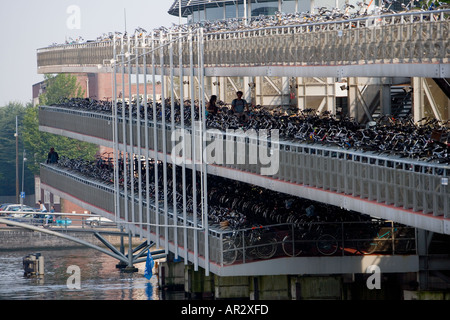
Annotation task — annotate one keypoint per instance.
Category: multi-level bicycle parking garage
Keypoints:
(411, 193)
(401, 203)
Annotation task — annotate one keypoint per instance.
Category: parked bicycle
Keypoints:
(427, 140)
(257, 242)
(313, 237)
(237, 206)
(385, 236)
(320, 14)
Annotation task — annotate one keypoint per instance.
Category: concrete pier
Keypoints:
(17, 239)
(393, 286)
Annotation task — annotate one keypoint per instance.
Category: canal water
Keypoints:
(99, 278)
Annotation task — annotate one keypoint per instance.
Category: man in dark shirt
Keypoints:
(52, 156)
(238, 105)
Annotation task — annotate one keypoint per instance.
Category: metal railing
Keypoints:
(58, 220)
(412, 37)
(314, 239)
(398, 38)
(227, 247)
(101, 195)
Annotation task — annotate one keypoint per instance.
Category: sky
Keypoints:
(28, 25)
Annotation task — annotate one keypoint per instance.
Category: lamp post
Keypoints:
(245, 12)
(179, 12)
(16, 134)
(23, 174)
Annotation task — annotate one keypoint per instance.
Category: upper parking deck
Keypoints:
(413, 44)
(407, 191)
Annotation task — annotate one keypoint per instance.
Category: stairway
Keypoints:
(401, 103)
(444, 84)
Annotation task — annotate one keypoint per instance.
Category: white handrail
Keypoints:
(439, 15)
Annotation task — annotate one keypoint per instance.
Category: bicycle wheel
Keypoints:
(291, 248)
(267, 250)
(327, 244)
(230, 253)
(367, 246)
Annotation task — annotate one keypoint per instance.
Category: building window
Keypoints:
(264, 9)
(240, 10)
(230, 11)
(288, 6)
(215, 13)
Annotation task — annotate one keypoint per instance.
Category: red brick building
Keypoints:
(100, 86)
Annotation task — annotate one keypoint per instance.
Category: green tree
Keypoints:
(59, 87)
(8, 116)
(39, 143)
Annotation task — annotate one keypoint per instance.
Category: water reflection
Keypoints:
(100, 279)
